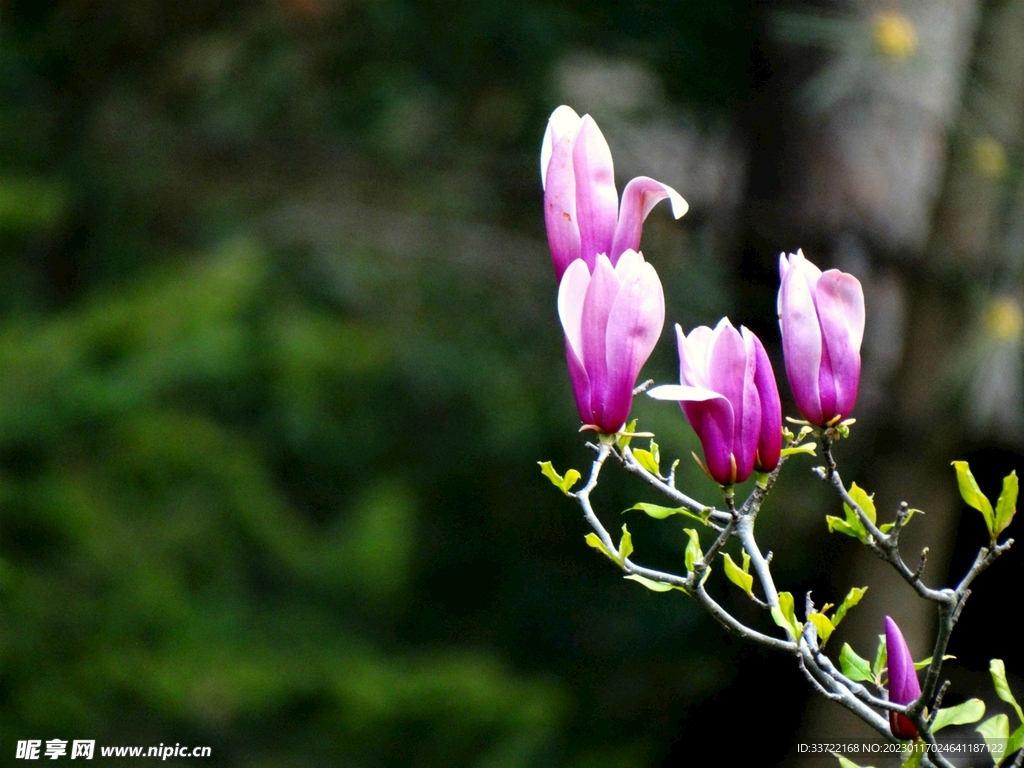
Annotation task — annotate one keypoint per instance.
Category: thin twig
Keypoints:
(724, 618)
(921, 565)
(629, 461)
(938, 702)
(902, 516)
(583, 497)
(846, 698)
(745, 533)
(881, 544)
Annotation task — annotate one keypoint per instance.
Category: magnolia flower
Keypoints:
(822, 321)
(612, 317)
(730, 398)
(902, 683)
(581, 204)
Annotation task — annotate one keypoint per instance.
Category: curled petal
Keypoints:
(682, 393)
(638, 199)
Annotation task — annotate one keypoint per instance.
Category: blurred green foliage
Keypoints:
(278, 356)
(154, 561)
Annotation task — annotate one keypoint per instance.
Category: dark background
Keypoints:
(279, 354)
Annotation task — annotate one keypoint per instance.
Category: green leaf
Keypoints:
(998, 671)
(971, 711)
(996, 732)
(656, 511)
(737, 575)
(971, 493)
(651, 584)
(852, 598)
(1016, 741)
(805, 448)
(562, 483)
(570, 480)
(886, 527)
(916, 756)
(855, 529)
(649, 459)
(595, 542)
(624, 439)
(1006, 506)
(693, 553)
(853, 525)
(926, 662)
(880, 658)
(853, 666)
(625, 547)
(785, 615)
(660, 513)
(823, 625)
(865, 501)
(845, 763)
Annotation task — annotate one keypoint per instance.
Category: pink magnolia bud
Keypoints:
(730, 398)
(822, 321)
(581, 204)
(612, 318)
(902, 683)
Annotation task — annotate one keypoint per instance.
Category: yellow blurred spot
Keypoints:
(1004, 319)
(895, 36)
(989, 157)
